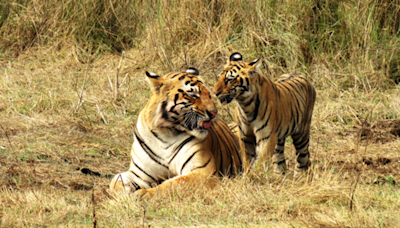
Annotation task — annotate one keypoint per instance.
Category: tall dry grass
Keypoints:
(59, 115)
(291, 35)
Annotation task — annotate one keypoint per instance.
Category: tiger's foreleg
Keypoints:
(198, 177)
(248, 154)
(124, 182)
(265, 150)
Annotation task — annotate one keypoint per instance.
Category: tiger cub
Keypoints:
(178, 138)
(268, 112)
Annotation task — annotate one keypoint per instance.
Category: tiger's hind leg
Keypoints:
(278, 159)
(301, 142)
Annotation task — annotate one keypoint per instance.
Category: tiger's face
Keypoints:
(181, 101)
(235, 80)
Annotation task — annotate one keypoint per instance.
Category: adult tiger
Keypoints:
(268, 112)
(177, 138)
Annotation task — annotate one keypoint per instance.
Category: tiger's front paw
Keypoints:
(144, 193)
(280, 168)
(121, 187)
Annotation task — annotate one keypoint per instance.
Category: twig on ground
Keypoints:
(81, 101)
(101, 114)
(94, 208)
(8, 139)
(116, 85)
(144, 216)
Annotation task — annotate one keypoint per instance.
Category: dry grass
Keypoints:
(59, 117)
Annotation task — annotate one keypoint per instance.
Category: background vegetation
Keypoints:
(66, 129)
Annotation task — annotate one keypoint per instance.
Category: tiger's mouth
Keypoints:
(225, 99)
(193, 121)
(205, 124)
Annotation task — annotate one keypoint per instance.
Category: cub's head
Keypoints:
(180, 101)
(236, 78)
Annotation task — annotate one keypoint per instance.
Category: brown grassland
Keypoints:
(66, 125)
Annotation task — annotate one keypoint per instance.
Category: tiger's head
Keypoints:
(180, 101)
(236, 79)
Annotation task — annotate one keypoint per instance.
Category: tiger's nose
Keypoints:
(212, 114)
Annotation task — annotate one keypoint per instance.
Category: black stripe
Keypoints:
(176, 98)
(226, 129)
(265, 109)
(137, 185)
(248, 103)
(163, 110)
(302, 144)
(266, 123)
(242, 118)
(302, 155)
(287, 131)
(220, 147)
(256, 108)
(248, 142)
(143, 144)
(175, 75)
(144, 171)
(177, 149)
(158, 137)
(187, 161)
(265, 138)
(278, 128)
(209, 160)
(149, 152)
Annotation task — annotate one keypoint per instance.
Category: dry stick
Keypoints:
(359, 140)
(309, 173)
(8, 139)
(144, 214)
(80, 102)
(94, 208)
(101, 114)
(116, 78)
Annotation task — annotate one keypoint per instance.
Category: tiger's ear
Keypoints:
(236, 56)
(154, 81)
(193, 71)
(255, 65)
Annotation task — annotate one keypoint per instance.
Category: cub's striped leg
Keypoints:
(249, 153)
(301, 143)
(278, 159)
(266, 148)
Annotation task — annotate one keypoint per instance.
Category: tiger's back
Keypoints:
(296, 99)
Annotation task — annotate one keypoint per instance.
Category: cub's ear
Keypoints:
(154, 81)
(256, 65)
(236, 56)
(193, 71)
